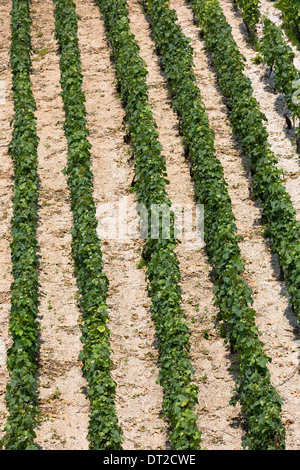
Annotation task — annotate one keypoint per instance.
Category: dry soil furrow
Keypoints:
(61, 385)
(275, 319)
(209, 357)
(271, 104)
(6, 191)
(135, 356)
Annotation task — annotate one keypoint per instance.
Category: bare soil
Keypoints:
(6, 191)
(63, 403)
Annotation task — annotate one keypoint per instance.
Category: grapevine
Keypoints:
(104, 430)
(260, 401)
(22, 357)
(162, 266)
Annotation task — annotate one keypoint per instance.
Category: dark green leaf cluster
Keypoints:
(259, 399)
(104, 431)
(291, 18)
(162, 267)
(21, 395)
(278, 55)
(251, 15)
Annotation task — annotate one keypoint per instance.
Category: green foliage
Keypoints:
(247, 121)
(251, 15)
(260, 401)
(291, 18)
(104, 431)
(278, 55)
(162, 267)
(21, 394)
